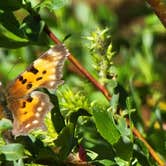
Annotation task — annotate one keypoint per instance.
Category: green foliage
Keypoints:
(15, 34)
(127, 58)
(5, 124)
(106, 126)
(52, 4)
(12, 152)
(11, 5)
(73, 101)
(101, 50)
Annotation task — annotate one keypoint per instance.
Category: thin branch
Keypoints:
(151, 150)
(104, 91)
(159, 6)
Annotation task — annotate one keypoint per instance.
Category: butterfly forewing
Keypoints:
(45, 72)
(29, 112)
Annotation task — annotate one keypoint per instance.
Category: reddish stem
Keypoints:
(159, 6)
(151, 150)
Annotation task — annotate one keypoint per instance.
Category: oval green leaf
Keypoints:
(12, 151)
(106, 126)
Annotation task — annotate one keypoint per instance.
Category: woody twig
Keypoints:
(159, 7)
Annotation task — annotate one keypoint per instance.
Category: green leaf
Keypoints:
(5, 124)
(56, 4)
(106, 162)
(11, 36)
(106, 126)
(121, 162)
(141, 153)
(124, 149)
(140, 146)
(37, 148)
(120, 90)
(10, 40)
(114, 102)
(147, 69)
(53, 4)
(12, 25)
(12, 151)
(10, 5)
(74, 115)
(56, 116)
(65, 141)
(33, 27)
(123, 128)
(19, 162)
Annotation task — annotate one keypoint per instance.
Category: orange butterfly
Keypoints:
(28, 106)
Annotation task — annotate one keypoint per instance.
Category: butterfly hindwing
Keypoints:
(29, 112)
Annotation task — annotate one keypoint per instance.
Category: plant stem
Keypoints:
(159, 6)
(104, 91)
(151, 150)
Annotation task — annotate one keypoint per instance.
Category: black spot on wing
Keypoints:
(29, 99)
(39, 78)
(32, 69)
(44, 72)
(20, 77)
(24, 81)
(23, 104)
(29, 85)
(25, 112)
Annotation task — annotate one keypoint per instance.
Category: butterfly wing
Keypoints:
(45, 72)
(2, 115)
(29, 112)
(29, 107)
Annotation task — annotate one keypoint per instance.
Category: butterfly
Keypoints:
(27, 105)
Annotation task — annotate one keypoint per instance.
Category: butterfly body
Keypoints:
(27, 105)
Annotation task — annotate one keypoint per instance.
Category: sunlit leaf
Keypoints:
(5, 124)
(12, 151)
(106, 126)
(53, 4)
